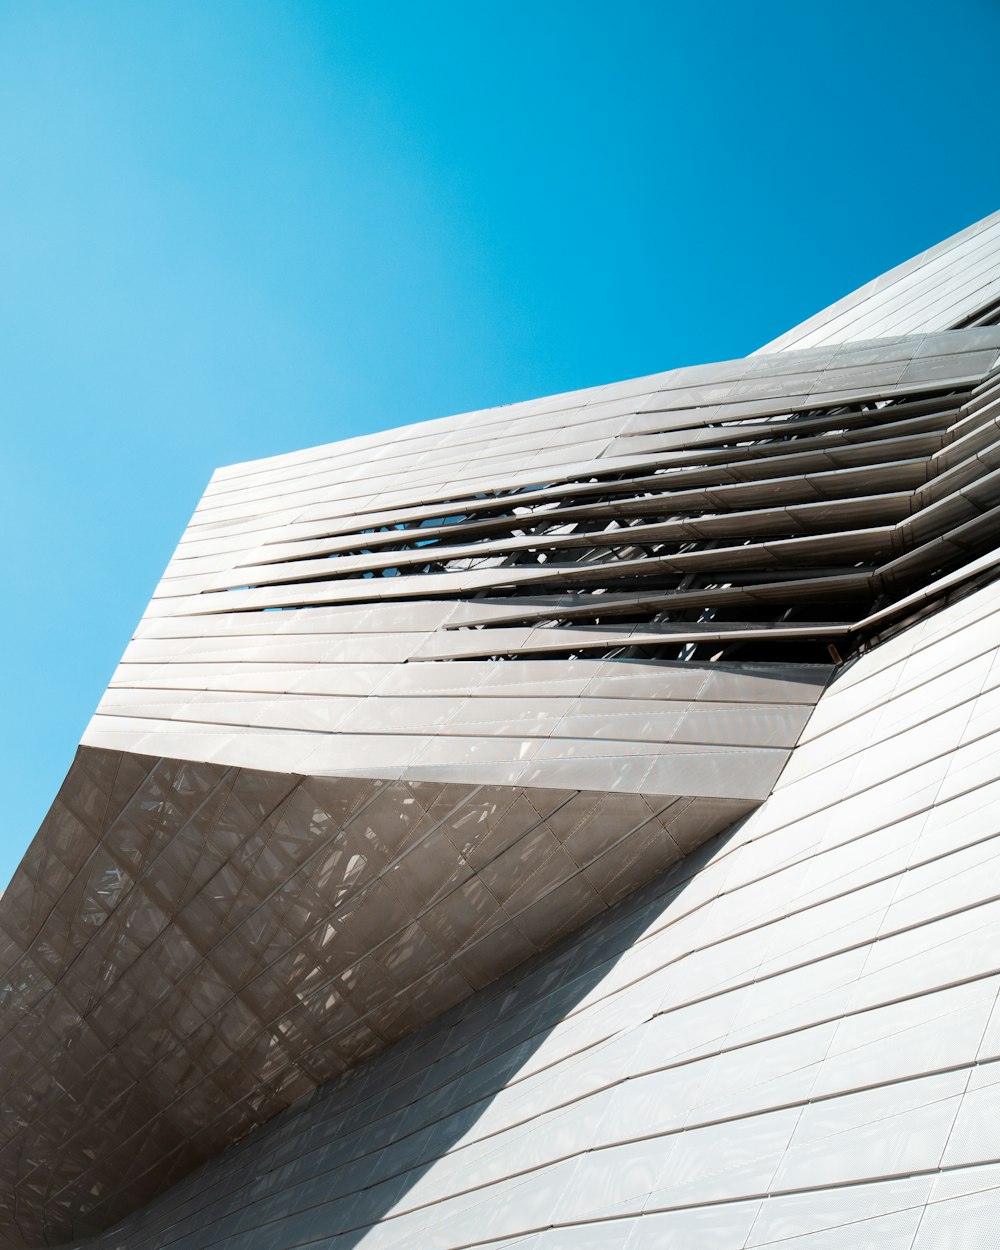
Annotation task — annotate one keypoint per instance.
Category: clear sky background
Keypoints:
(232, 228)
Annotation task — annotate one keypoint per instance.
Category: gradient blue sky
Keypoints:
(230, 229)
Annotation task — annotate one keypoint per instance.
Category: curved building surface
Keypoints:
(567, 825)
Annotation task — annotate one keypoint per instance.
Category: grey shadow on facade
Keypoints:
(322, 1173)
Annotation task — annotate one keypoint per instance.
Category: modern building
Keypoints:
(563, 826)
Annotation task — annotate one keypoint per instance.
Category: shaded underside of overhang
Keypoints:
(188, 948)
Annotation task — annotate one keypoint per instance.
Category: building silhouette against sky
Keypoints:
(573, 824)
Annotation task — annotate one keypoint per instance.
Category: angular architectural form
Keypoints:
(568, 825)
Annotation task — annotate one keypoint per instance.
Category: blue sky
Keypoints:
(230, 229)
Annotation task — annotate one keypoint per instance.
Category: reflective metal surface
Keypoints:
(406, 710)
(188, 948)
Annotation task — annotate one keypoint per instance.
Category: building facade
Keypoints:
(567, 825)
